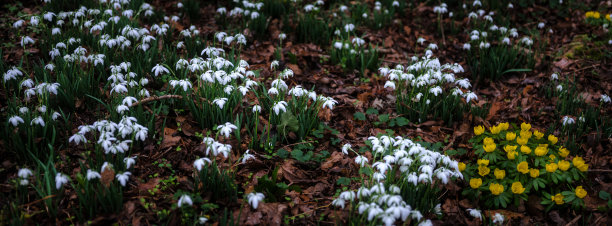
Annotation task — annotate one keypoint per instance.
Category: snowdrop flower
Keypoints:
(24, 173)
(426, 223)
(15, 120)
(421, 40)
(498, 218)
(361, 160)
(226, 129)
(415, 214)
(339, 203)
(220, 102)
(435, 90)
(92, 174)
(184, 199)
(559, 88)
(432, 46)
(345, 148)
(527, 41)
(469, 96)
(201, 162)
(26, 40)
(246, 157)
(605, 98)
(541, 25)
(38, 121)
(202, 220)
(506, 40)
(60, 180)
(554, 76)
(568, 120)
(282, 36)
(467, 46)
(280, 106)
(185, 84)
(18, 23)
(257, 109)
(349, 27)
(329, 103)
(475, 213)
(255, 199)
(159, 69)
(129, 161)
(123, 178)
(390, 84)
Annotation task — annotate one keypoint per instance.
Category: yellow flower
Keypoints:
(496, 189)
(551, 167)
(578, 161)
(483, 170)
(525, 134)
(510, 148)
(558, 198)
(481, 162)
(534, 173)
(475, 182)
(495, 129)
(489, 147)
(499, 174)
(512, 155)
(540, 150)
(525, 126)
(522, 140)
(592, 14)
(563, 152)
(583, 167)
(523, 167)
(608, 17)
(580, 192)
(553, 139)
(526, 150)
(517, 188)
(478, 130)
(488, 140)
(564, 165)
(510, 136)
(504, 125)
(538, 134)
(461, 166)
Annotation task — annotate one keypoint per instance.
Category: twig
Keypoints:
(600, 171)
(574, 220)
(34, 202)
(154, 98)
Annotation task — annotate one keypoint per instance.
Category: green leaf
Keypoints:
(604, 195)
(383, 118)
(372, 111)
(282, 153)
(401, 121)
(288, 123)
(359, 116)
(343, 181)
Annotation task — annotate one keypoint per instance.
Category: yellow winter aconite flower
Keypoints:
(479, 130)
(512, 155)
(541, 150)
(522, 140)
(496, 189)
(580, 164)
(525, 126)
(563, 152)
(489, 147)
(523, 167)
(499, 174)
(481, 162)
(608, 17)
(525, 134)
(551, 167)
(564, 165)
(538, 134)
(553, 139)
(526, 150)
(483, 170)
(558, 198)
(510, 136)
(517, 188)
(580, 192)
(475, 182)
(510, 148)
(592, 14)
(534, 173)
(461, 166)
(495, 129)
(488, 140)
(504, 126)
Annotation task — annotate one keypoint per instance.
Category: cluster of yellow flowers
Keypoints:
(592, 14)
(521, 152)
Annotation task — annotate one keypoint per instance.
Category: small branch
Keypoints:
(154, 98)
(40, 200)
(574, 220)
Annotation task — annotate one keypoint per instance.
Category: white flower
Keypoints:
(541, 25)
(202, 220)
(435, 90)
(361, 160)
(24, 173)
(199, 163)
(469, 96)
(568, 120)
(92, 174)
(475, 213)
(24, 182)
(129, 161)
(467, 46)
(220, 102)
(183, 83)
(338, 202)
(421, 40)
(280, 106)
(123, 178)
(345, 148)
(77, 138)
(282, 36)
(329, 103)
(247, 156)
(498, 218)
(559, 88)
(255, 199)
(184, 199)
(226, 129)
(605, 98)
(426, 223)
(26, 40)
(38, 121)
(554, 76)
(389, 84)
(16, 120)
(159, 69)
(60, 180)
(256, 108)
(274, 65)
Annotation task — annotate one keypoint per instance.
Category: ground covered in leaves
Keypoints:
(313, 171)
